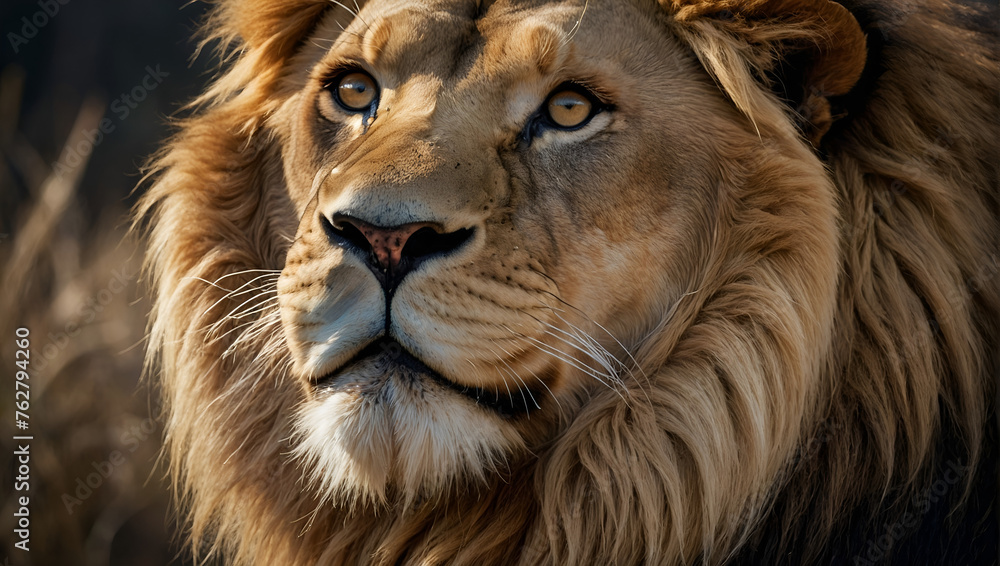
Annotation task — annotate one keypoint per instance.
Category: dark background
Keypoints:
(70, 270)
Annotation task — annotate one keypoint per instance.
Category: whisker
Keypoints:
(546, 386)
(586, 344)
(576, 26)
(263, 303)
(515, 336)
(345, 7)
(261, 293)
(605, 379)
(355, 13)
(516, 376)
(617, 341)
(586, 337)
(219, 338)
(344, 30)
(222, 328)
(244, 272)
(260, 306)
(234, 292)
(257, 328)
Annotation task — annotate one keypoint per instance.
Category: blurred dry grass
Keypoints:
(96, 493)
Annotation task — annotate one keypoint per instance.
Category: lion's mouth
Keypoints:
(390, 356)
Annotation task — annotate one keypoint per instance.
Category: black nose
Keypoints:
(391, 252)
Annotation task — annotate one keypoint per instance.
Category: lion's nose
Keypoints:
(393, 251)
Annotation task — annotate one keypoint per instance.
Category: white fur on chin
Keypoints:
(375, 435)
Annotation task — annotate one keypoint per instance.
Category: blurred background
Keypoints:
(85, 92)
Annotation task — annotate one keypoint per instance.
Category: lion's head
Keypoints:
(550, 282)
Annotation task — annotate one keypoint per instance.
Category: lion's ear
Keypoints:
(253, 40)
(805, 51)
(266, 25)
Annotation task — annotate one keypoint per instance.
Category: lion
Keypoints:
(583, 282)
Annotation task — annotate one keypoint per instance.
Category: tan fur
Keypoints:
(688, 289)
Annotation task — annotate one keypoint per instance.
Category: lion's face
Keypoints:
(571, 281)
(488, 221)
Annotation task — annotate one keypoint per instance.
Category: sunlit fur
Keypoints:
(725, 279)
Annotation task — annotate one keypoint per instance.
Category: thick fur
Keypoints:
(756, 303)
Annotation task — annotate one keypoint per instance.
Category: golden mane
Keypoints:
(907, 375)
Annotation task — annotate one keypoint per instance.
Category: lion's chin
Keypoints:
(383, 433)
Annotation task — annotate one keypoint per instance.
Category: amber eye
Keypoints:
(569, 109)
(355, 91)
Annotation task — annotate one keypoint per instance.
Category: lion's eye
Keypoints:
(355, 91)
(569, 109)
